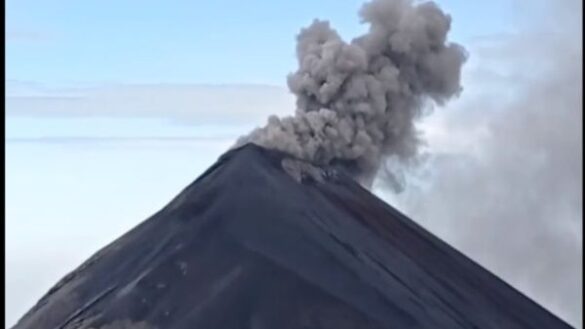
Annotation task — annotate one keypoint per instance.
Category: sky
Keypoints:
(210, 42)
(114, 106)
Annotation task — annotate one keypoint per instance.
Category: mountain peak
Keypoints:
(262, 240)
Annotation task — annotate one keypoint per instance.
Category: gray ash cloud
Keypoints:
(358, 101)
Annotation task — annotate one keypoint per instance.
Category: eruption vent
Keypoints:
(357, 102)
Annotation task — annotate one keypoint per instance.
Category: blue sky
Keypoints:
(114, 106)
(224, 41)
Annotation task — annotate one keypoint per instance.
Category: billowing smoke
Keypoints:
(357, 102)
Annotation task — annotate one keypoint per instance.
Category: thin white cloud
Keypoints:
(189, 104)
(13, 34)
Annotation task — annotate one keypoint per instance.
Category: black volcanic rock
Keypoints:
(261, 242)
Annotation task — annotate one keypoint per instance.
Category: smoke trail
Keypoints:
(357, 102)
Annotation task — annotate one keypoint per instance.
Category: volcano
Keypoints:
(261, 240)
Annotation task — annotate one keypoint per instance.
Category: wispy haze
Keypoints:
(505, 186)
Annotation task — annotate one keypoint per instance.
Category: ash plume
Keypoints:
(357, 102)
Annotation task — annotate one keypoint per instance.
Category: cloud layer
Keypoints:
(183, 103)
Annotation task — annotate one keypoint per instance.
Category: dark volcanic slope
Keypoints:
(248, 246)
